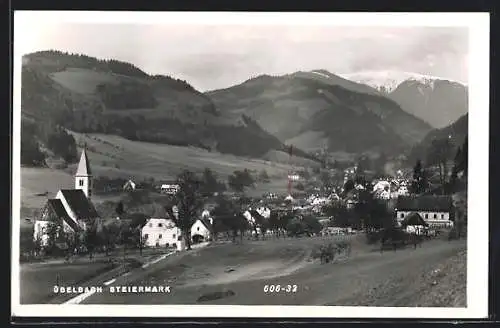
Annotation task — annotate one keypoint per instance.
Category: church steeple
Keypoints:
(83, 176)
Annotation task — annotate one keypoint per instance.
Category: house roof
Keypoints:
(83, 165)
(425, 203)
(80, 204)
(61, 213)
(206, 223)
(413, 219)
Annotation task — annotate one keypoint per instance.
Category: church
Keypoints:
(71, 209)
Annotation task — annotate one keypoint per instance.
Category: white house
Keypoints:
(71, 209)
(264, 211)
(202, 230)
(162, 232)
(129, 185)
(435, 210)
(403, 190)
(170, 189)
(381, 185)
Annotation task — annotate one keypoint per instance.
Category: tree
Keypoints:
(380, 163)
(210, 184)
(339, 214)
(30, 152)
(91, 240)
(420, 183)
(52, 232)
(119, 209)
(263, 177)
(188, 203)
(439, 154)
(364, 164)
(239, 180)
(348, 186)
(312, 224)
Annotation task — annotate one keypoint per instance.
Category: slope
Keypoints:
(317, 109)
(88, 95)
(436, 100)
(457, 132)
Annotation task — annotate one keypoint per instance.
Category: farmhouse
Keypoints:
(71, 209)
(435, 210)
(202, 230)
(170, 189)
(414, 223)
(161, 232)
(129, 185)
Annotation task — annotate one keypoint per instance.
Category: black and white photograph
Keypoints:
(250, 164)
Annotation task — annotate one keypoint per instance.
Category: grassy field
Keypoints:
(38, 280)
(114, 156)
(236, 275)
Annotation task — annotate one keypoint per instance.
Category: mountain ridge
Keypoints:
(88, 95)
(438, 101)
(288, 105)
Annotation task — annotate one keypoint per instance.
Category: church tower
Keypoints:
(83, 176)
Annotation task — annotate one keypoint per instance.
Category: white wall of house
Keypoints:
(160, 232)
(198, 228)
(264, 211)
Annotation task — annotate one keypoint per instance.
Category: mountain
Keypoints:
(436, 100)
(316, 109)
(89, 95)
(457, 132)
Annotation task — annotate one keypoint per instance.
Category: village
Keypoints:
(69, 224)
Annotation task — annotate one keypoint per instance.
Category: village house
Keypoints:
(129, 185)
(169, 188)
(161, 232)
(202, 230)
(72, 209)
(435, 210)
(414, 223)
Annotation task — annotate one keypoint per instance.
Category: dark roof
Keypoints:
(206, 223)
(61, 213)
(255, 214)
(413, 219)
(135, 220)
(80, 204)
(425, 203)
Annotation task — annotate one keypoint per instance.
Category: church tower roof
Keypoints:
(84, 165)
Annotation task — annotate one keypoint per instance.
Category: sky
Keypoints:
(218, 56)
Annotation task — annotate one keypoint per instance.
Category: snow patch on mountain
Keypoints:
(387, 81)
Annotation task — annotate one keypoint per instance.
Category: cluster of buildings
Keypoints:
(72, 209)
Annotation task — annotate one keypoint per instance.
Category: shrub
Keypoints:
(453, 234)
(372, 238)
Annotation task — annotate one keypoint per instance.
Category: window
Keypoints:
(159, 236)
(160, 225)
(80, 182)
(173, 236)
(442, 216)
(435, 216)
(426, 215)
(402, 215)
(146, 236)
(198, 229)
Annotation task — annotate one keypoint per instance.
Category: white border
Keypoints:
(477, 266)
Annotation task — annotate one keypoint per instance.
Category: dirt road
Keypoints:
(237, 274)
